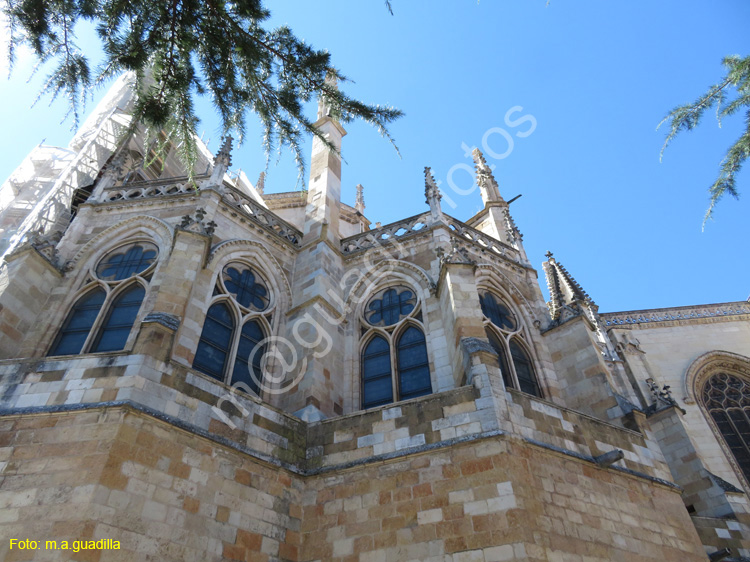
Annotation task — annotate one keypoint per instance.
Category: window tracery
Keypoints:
(103, 317)
(394, 360)
(507, 338)
(231, 348)
(726, 398)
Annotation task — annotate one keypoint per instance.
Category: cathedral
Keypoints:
(192, 369)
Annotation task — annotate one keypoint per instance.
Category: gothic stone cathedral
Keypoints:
(217, 373)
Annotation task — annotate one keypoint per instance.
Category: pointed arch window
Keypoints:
(78, 324)
(377, 383)
(215, 342)
(120, 319)
(103, 318)
(413, 365)
(231, 347)
(726, 398)
(507, 338)
(395, 364)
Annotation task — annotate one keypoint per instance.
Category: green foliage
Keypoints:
(182, 48)
(687, 117)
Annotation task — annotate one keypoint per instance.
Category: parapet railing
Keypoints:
(483, 240)
(406, 227)
(384, 234)
(152, 188)
(677, 313)
(183, 185)
(262, 216)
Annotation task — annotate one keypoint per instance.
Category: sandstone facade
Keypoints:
(418, 400)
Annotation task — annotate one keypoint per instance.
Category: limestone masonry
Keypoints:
(202, 371)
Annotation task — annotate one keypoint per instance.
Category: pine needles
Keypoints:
(182, 48)
(687, 117)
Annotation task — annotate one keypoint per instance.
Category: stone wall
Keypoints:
(166, 494)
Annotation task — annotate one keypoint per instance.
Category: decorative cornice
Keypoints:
(679, 313)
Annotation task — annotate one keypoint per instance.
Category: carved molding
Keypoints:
(682, 315)
(126, 230)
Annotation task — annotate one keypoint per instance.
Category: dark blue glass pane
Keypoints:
(375, 366)
(114, 333)
(499, 347)
(77, 326)
(413, 366)
(377, 345)
(377, 386)
(406, 302)
(243, 285)
(210, 360)
(218, 326)
(375, 317)
(377, 392)
(412, 355)
(391, 307)
(216, 337)
(497, 312)
(524, 370)
(250, 337)
(415, 382)
(121, 266)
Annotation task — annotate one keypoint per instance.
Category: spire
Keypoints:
(432, 196)
(567, 297)
(324, 186)
(360, 202)
(222, 161)
(485, 180)
(260, 185)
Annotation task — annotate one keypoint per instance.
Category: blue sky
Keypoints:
(595, 77)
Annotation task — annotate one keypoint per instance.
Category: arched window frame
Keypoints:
(392, 335)
(519, 335)
(113, 289)
(268, 318)
(697, 376)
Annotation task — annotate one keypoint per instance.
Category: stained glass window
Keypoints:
(727, 400)
(246, 287)
(126, 262)
(393, 305)
(377, 386)
(524, 369)
(497, 312)
(499, 347)
(413, 366)
(216, 339)
(251, 337)
(78, 324)
(120, 319)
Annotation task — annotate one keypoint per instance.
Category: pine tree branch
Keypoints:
(243, 66)
(687, 117)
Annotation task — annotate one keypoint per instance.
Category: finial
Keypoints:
(260, 185)
(324, 110)
(222, 161)
(360, 201)
(432, 196)
(548, 255)
(485, 180)
(117, 165)
(225, 152)
(564, 291)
